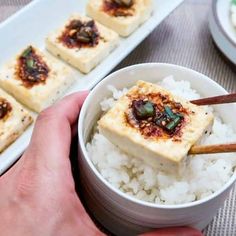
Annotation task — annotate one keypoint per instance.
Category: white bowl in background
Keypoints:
(222, 29)
(118, 212)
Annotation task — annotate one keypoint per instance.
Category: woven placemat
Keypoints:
(183, 39)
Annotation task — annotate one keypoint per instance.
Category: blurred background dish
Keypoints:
(223, 30)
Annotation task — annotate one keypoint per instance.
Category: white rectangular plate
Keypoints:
(31, 25)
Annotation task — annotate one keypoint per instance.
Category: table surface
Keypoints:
(183, 39)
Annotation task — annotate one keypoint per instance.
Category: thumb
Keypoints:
(49, 148)
(51, 139)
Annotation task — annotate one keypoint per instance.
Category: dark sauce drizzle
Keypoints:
(115, 9)
(31, 69)
(5, 108)
(156, 115)
(79, 34)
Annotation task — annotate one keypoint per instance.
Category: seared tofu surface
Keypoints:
(35, 79)
(82, 42)
(124, 19)
(14, 119)
(152, 124)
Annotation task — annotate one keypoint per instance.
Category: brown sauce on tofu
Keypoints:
(116, 9)
(5, 108)
(31, 68)
(78, 34)
(157, 116)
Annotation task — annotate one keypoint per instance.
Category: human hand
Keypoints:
(38, 194)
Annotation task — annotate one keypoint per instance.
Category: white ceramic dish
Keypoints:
(120, 213)
(36, 20)
(222, 29)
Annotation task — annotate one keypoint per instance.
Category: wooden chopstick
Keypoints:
(217, 148)
(209, 149)
(228, 98)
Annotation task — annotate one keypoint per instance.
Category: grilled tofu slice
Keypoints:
(35, 79)
(82, 42)
(152, 124)
(14, 119)
(121, 18)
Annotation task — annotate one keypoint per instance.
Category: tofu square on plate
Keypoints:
(82, 42)
(35, 79)
(122, 18)
(152, 124)
(14, 119)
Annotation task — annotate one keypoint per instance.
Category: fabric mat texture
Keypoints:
(183, 39)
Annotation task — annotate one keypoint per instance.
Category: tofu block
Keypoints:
(84, 56)
(14, 119)
(151, 138)
(36, 81)
(123, 20)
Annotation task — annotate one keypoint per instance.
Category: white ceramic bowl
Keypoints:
(222, 29)
(118, 212)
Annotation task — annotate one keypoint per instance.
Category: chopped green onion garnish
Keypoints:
(169, 112)
(30, 63)
(149, 108)
(179, 115)
(170, 126)
(27, 52)
(143, 109)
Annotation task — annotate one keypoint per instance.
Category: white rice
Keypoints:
(204, 175)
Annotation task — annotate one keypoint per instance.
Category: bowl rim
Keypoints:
(109, 185)
(220, 26)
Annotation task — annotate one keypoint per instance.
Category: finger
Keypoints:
(50, 142)
(175, 231)
(74, 129)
